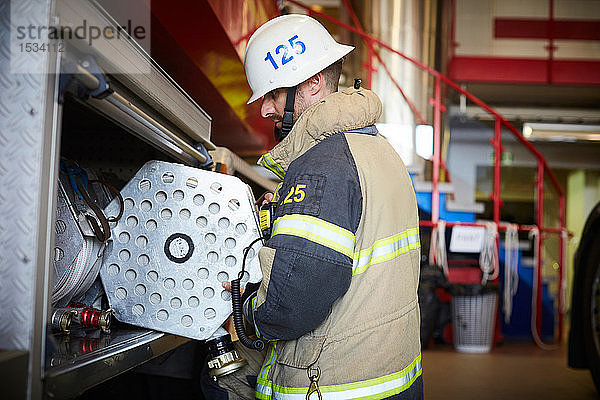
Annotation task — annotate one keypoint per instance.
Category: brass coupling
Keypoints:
(225, 364)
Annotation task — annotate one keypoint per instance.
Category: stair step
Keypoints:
(476, 207)
(427, 186)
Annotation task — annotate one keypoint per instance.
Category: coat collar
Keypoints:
(338, 112)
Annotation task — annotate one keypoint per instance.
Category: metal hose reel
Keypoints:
(182, 234)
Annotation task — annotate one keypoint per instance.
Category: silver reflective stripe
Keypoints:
(316, 230)
(374, 388)
(386, 249)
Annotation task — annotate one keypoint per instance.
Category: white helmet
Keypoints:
(288, 50)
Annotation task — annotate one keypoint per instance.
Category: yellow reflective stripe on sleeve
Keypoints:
(386, 249)
(276, 192)
(316, 230)
(376, 388)
(272, 166)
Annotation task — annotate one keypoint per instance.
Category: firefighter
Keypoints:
(338, 300)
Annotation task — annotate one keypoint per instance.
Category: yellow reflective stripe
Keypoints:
(386, 249)
(342, 240)
(254, 299)
(276, 192)
(376, 388)
(263, 385)
(316, 230)
(272, 166)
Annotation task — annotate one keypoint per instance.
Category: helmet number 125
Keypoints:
(295, 44)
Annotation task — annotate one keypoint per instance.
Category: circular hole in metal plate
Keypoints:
(130, 275)
(175, 303)
(224, 223)
(132, 221)
(222, 276)
(251, 254)
(245, 277)
(166, 214)
(128, 203)
(120, 293)
(214, 208)
(241, 228)
(113, 269)
(155, 298)
(178, 195)
(167, 177)
(212, 257)
(184, 214)
(210, 313)
(192, 183)
(124, 255)
(225, 295)
(234, 204)
(187, 320)
(216, 187)
(201, 222)
(145, 185)
(124, 237)
(230, 243)
(140, 289)
(60, 226)
(58, 254)
(152, 276)
(208, 292)
(138, 309)
(198, 200)
(203, 273)
(151, 225)
(162, 315)
(230, 261)
(188, 284)
(143, 260)
(193, 302)
(160, 196)
(141, 241)
(210, 238)
(146, 205)
(169, 283)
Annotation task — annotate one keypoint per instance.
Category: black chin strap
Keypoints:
(288, 116)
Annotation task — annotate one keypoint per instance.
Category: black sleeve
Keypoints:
(301, 291)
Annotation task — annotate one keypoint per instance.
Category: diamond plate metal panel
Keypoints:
(22, 166)
(182, 234)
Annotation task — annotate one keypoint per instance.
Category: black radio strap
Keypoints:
(288, 115)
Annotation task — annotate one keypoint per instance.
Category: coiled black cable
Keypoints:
(236, 302)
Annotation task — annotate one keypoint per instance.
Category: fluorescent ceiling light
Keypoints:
(561, 132)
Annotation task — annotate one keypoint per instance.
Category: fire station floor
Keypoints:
(514, 370)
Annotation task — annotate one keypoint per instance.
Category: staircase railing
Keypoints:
(543, 169)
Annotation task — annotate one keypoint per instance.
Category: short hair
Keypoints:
(332, 75)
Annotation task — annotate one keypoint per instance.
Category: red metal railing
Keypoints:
(542, 166)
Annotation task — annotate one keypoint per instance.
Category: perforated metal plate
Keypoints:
(182, 234)
(68, 240)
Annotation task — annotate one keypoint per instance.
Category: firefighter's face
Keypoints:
(273, 104)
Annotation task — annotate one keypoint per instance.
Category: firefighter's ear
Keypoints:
(315, 83)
